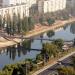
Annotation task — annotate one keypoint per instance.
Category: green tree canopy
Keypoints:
(50, 21)
(50, 33)
(50, 49)
(59, 43)
(66, 71)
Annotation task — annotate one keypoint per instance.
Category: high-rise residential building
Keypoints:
(71, 6)
(16, 6)
(4, 3)
(70, 3)
(1, 3)
(45, 6)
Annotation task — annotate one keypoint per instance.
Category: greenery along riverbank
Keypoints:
(16, 24)
(49, 51)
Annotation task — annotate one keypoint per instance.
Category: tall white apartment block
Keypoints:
(19, 6)
(21, 9)
(1, 3)
(15, 2)
(73, 3)
(51, 5)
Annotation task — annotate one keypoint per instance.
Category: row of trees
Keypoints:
(15, 24)
(50, 50)
(23, 68)
(49, 20)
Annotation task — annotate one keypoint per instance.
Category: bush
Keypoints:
(50, 33)
(59, 43)
(39, 58)
(50, 21)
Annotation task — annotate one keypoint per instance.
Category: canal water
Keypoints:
(12, 55)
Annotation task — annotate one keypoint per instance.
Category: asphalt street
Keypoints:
(53, 70)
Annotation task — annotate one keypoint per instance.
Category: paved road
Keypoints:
(46, 70)
(52, 70)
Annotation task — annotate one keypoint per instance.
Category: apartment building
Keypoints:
(45, 6)
(17, 6)
(21, 9)
(4, 3)
(1, 3)
(70, 3)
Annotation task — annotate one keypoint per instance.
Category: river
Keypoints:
(12, 55)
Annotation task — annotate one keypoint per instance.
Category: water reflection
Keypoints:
(50, 34)
(41, 36)
(72, 28)
(20, 50)
(65, 27)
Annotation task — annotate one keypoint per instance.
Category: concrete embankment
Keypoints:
(42, 29)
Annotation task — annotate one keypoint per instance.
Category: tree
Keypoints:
(31, 23)
(8, 23)
(0, 21)
(41, 20)
(59, 43)
(26, 44)
(39, 58)
(49, 49)
(19, 23)
(25, 26)
(3, 22)
(73, 61)
(8, 69)
(66, 71)
(50, 33)
(14, 23)
(50, 21)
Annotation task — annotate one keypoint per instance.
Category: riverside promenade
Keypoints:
(38, 30)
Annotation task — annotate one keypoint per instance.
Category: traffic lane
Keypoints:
(65, 62)
(49, 70)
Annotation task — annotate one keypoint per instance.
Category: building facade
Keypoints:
(22, 8)
(45, 6)
(5, 3)
(1, 3)
(70, 3)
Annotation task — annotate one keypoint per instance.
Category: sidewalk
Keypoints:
(55, 62)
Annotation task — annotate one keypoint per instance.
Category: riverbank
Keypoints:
(5, 43)
(38, 30)
(43, 29)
